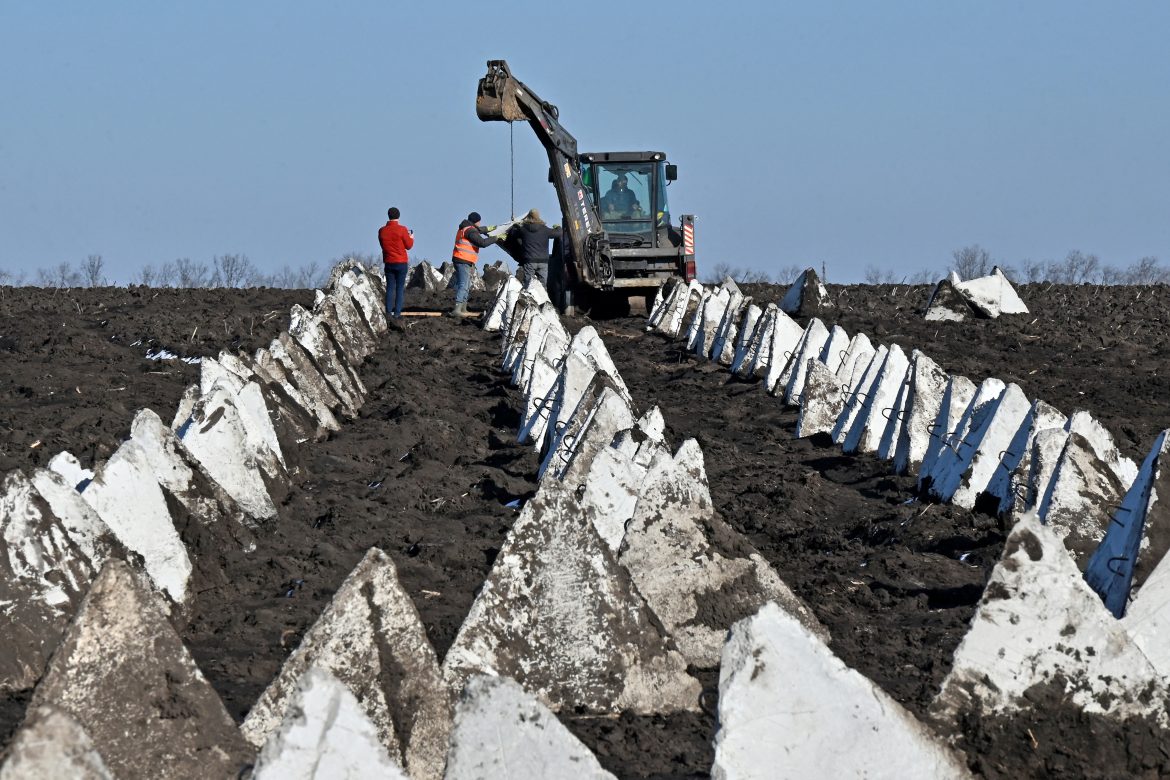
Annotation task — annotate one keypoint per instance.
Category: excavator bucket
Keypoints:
(495, 100)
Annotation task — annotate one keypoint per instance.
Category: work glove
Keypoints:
(490, 228)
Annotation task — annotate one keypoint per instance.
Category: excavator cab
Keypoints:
(628, 190)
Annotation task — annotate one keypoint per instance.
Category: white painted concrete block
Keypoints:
(790, 385)
(298, 391)
(545, 325)
(181, 475)
(561, 616)
(744, 339)
(696, 586)
(148, 714)
(992, 295)
(947, 304)
(503, 733)
(43, 577)
(1101, 440)
(878, 402)
(789, 708)
(216, 434)
(972, 463)
(517, 333)
(945, 449)
(778, 349)
(539, 399)
(822, 401)
(346, 324)
(1080, 499)
(303, 371)
(367, 289)
(1039, 623)
(713, 313)
(836, 348)
(1047, 444)
(859, 346)
(127, 497)
(1009, 485)
(312, 334)
(500, 308)
(806, 296)
(371, 639)
(1137, 539)
(91, 537)
(51, 745)
(325, 735)
(69, 467)
(727, 333)
(858, 394)
(609, 414)
(694, 326)
(670, 294)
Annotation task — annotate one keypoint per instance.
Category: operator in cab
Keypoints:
(620, 201)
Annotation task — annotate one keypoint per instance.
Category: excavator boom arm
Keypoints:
(502, 97)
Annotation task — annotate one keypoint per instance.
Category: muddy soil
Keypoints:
(427, 469)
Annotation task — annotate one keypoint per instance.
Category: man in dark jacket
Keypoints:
(469, 239)
(530, 238)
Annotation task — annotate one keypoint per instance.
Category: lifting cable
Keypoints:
(512, 156)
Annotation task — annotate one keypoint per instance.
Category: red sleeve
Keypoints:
(407, 238)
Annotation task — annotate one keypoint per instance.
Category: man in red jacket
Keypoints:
(395, 240)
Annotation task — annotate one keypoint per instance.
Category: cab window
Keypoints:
(625, 203)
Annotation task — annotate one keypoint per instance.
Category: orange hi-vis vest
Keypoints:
(464, 249)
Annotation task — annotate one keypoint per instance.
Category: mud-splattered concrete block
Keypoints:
(822, 401)
(1039, 624)
(877, 405)
(1080, 499)
(50, 744)
(1139, 536)
(1009, 485)
(807, 296)
(691, 568)
(148, 714)
(790, 384)
(560, 615)
(971, 464)
(371, 639)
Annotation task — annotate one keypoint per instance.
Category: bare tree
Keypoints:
(722, 270)
(232, 271)
(5, 277)
(146, 276)
(1147, 271)
(191, 273)
(1077, 268)
(167, 274)
(91, 271)
(971, 262)
(1031, 271)
(876, 275)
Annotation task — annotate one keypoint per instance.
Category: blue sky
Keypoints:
(844, 134)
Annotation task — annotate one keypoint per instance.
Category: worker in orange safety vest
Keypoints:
(469, 239)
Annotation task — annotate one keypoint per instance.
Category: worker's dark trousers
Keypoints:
(530, 271)
(462, 281)
(395, 288)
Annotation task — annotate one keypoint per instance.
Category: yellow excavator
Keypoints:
(617, 240)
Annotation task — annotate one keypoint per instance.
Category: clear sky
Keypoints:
(846, 134)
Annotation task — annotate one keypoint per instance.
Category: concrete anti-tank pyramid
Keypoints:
(370, 638)
(1039, 624)
(50, 744)
(149, 714)
(789, 708)
(1139, 535)
(807, 296)
(559, 614)
(503, 733)
(324, 735)
(678, 552)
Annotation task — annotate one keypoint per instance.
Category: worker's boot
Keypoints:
(458, 310)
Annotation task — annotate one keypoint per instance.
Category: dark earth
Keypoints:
(427, 469)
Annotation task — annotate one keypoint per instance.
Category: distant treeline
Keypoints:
(971, 262)
(222, 271)
(968, 262)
